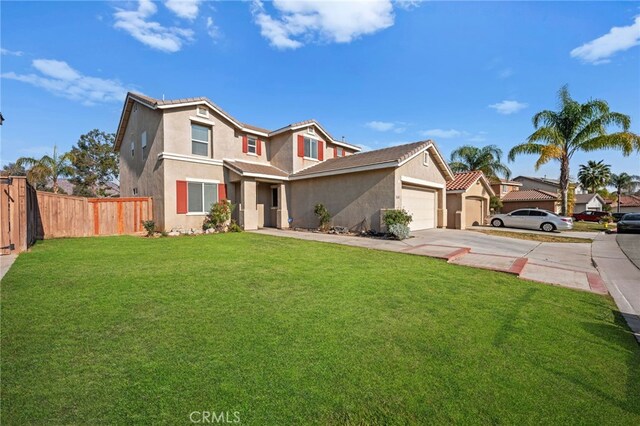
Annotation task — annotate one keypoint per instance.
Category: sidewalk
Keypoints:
(563, 264)
(5, 263)
(621, 277)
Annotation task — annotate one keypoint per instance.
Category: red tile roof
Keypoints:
(530, 195)
(464, 180)
(628, 201)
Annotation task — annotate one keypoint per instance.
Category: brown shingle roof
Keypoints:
(530, 195)
(254, 168)
(464, 180)
(585, 198)
(394, 154)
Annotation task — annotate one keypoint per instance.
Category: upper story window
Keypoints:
(252, 145)
(311, 130)
(425, 158)
(199, 140)
(339, 152)
(143, 144)
(310, 148)
(133, 148)
(202, 111)
(505, 188)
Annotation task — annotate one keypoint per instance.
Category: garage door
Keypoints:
(473, 212)
(421, 204)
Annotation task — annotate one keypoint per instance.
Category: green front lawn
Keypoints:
(128, 330)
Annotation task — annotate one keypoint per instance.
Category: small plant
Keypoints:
(495, 203)
(219, 215)
(234, 227)
(396, 216)
(399, 231)
(150, 227)
(323, 214)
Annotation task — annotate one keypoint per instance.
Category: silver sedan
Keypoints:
(532, 219)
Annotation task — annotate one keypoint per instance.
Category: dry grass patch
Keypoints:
(533, 237)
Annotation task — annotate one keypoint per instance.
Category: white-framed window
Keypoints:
(425, 158)
(201, 196)
(143, 144)
(135, 191)
(133, 148)
(252, 145)
(339, 152)
(199, 140)
(311, 130)
(310, 148)
(202, 111)
(504, 188)
(135, 107)
(275, 197)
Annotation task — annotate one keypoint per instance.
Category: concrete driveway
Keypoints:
(565, 264)
(630, 245)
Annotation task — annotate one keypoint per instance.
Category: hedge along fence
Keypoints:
(62, 216)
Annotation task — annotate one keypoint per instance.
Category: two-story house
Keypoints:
(189, 153)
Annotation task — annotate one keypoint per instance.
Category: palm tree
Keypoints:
(594, 175)
(624, 182)
(47, 167)
(487, 159)
(575, 127)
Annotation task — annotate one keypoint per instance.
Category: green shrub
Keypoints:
(396, 216)
(234, 227)
(150, 227)
(323, 214)
(219, 215)
(495, 203)
(399, 231)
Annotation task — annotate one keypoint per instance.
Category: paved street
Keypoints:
(630, 245)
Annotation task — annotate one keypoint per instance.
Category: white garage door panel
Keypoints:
(421, 204)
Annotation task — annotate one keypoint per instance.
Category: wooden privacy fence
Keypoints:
(67, 216)
(27, 215)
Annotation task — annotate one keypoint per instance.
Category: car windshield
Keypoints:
(631, 217)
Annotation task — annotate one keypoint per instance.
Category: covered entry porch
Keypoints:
(260, 193)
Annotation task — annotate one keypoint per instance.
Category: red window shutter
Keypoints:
(258, 147)
(335, 152)
(320, 150)
(300, 146)
(222, 191)
(181, 196)
(245, 144)
(344, 152)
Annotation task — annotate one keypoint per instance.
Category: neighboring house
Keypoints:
(189, 153)
(628, 204)
(584, 202)
(504, 186)
(468, 197)
(545, 184)
(531, 198)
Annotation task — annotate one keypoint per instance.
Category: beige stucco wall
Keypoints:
(416, 169)
(281, 151)
(143, 172)
(225, 140)
(350, 198)
(456, 214)
(175, 170)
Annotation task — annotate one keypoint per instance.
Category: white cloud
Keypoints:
(505, 73)
(381, 126)
(300, 22)
(442, 133)
(187, 9)
(508, 107)
(212, 29)
(618, 39)
(62, 80)
(4, 51)
(407, 4)
(153, 34)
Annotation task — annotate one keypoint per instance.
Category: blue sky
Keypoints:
(377, 73)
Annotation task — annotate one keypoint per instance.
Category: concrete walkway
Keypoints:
(621, 277)
(564, 264)
(5, 263)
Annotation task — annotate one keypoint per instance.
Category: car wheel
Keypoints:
(497, 223)
(548, 227)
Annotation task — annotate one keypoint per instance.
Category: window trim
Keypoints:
(202, 183)
(143, 144)
(425, 158)
(133, 148)
(311, 141)
(255, 145)
(207, 142)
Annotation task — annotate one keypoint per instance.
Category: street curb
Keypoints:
(457, 253)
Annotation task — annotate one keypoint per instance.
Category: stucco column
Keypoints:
(282, 217)
(442, 209)
(249, 208)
